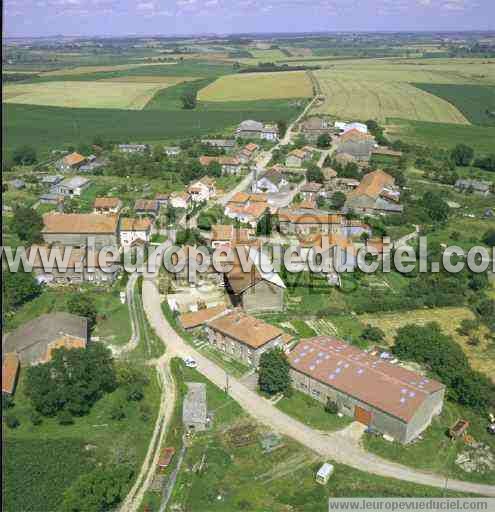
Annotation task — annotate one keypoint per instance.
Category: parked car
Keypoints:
(190, 362)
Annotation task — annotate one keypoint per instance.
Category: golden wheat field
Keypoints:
(131, 95)
(258, 86)
(380, 100)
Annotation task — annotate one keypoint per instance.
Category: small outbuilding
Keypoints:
(324, 473)
(195, 409)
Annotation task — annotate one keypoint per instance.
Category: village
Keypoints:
(317, 184)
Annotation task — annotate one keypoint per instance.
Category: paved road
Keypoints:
(333, 446)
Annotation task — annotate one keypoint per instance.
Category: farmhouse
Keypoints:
(172, 150)
(107, 205)
(51, 180)
(195, 408)
(297, 157)
(255, 130)
(376, 193)
(346, 248)
(310, 191)
(387, 398)
(202, 190)
(226, 144)
(35, 340)
(253, 288)
(273, 181)
(299, 221)
(243, 336)
(313, 127)
(229, 165)
(345, 127)
(51, 198)
(10, 372)
(162, 199)
(228, 235)
(478, 187)
(74, 229)
(132, 148)
(70, 162)
(357, 144)
(247, 208)
(80, 265)
(199, 318)
(179, 199)
(149, 207)
(71, 186)
(132, 230)
(247, 152)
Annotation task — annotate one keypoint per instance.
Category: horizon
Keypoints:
(191, 18)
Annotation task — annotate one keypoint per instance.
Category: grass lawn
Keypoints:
(311, 412)
(424, 454)
(42, 461)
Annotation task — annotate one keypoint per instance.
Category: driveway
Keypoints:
(334, 446)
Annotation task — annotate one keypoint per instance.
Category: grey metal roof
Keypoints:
(195, 406)
(31, 339)
(250, 125)
(76, 181)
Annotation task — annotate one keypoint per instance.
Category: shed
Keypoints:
(324, 473)
(166, 457)
(195, 410)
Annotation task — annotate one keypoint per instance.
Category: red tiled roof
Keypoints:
(389, 388)
(79, 223)
(197, 318)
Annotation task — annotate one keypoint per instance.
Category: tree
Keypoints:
(273, 372)
(489, 238)
(324, 141)
(189, 100)
(331, 407)
(101, 489)
(313, 173)
(18, 288)
(27, 224)
(374, 334)
(338, 200)
(467, 326)
(82, 305)
(265, 224)
(435, 206)
(24, 155)
(462, 155)
(282, 128)
(12, 421)
(72, 381)
(214, 169)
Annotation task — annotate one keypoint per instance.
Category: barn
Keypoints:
(388, 398)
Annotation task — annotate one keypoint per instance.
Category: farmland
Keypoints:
(380, 100)
(476, 102)
(47, 128)
(258, 86)
(481, 357)
(98, 94)
(445, 135)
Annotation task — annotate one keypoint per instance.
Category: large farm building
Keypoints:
(387, 398)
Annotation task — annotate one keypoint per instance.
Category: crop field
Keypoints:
(476, 102)
(481, 357)
(444, 135)
(380, 100)
(133, 96)
(258, 86)
(46, 128)
(79, 70)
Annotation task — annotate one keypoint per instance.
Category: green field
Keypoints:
(258, 86)
(443, 135)
(476, 102)
(42, 461)
(47, 128)
(379, 100)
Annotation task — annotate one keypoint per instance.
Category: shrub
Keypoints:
(12, 421)
(64, 417)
